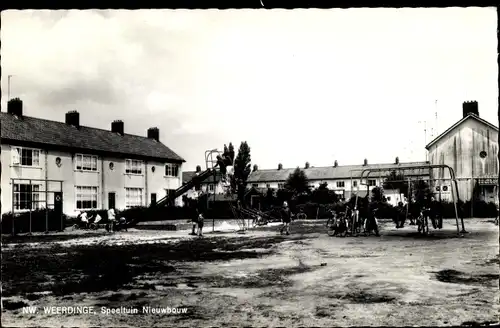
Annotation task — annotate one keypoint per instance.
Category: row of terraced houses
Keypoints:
(89, 168)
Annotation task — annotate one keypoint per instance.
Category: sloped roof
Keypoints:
(470, 116)
(339, 172)
(59, 134)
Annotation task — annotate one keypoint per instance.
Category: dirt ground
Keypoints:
(259, 278)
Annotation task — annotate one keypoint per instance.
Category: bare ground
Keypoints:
(258, 278)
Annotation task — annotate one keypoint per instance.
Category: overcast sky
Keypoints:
(297, 85)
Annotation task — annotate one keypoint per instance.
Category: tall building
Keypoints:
(88, 168)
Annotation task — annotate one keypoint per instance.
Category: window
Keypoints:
(211, 187)
(172, 170)
(86, 163)
(26, 197)
(281, 185)
(133, 197)
(133, 166)
(268, 185)
(86, 198)
(340, 184)
(389, 199)
(25, 156)
(255, 185)
(372, 182)
(355, 183)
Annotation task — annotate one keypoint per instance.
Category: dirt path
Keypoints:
(306, 279)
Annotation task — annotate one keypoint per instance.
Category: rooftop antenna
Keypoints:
(436, 114)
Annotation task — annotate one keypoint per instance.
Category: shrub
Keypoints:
(38, 221)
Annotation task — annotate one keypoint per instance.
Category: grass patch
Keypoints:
(457, 277)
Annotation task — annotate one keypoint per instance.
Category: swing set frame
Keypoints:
(365, 173)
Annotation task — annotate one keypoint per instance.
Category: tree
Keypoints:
(269, 199)
(242, 169)
(398, 182)
(323, 195)
(297, 182)
(231, 151)
(421, 191)
(377, 195)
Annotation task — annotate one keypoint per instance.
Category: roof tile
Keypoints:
(41, 131)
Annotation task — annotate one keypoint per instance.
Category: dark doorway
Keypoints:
(153, 199)
(111, 200)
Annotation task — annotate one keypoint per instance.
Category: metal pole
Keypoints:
(13, 209)
(62, 200)
(472, 198)
(31, 203)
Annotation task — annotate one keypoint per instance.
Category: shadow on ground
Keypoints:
(79, 269)
(457, 277)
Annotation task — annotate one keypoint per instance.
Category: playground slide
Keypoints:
(184, 188)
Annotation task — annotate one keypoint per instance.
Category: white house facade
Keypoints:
(344, 180)
(88, 168)
(470, 148)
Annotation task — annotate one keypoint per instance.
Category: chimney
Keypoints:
(335, 164)
(470, 107)
(117, 127)
(15, 107)
(307, 165)
(198, 169)
(255, 168)
(73, 118)
(280, 166)
(154, 133)
(365, 163)
(396, 161)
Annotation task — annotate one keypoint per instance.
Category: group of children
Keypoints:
(110, 226)
(429, 208)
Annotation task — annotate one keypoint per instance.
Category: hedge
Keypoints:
(38, 221)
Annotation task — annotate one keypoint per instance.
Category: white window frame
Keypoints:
(355, 183)
(340, 184)
(17, 158)
(35, 197)
(134, 192)
(86, 163)
(86, 194)
(372, 182)
(134, 167)
(268, 185)
(255, 185)
(211, 187)
(172, 170)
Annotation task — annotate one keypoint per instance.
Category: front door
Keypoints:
(153, 199)
(111, 200)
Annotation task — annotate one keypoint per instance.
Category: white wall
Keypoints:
(106, 179)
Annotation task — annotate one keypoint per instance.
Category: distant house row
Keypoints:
(470, 147)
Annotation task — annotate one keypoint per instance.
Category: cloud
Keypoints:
(298, 85)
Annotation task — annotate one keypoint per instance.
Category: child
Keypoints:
(286, 217)
(111, 219)
(200, 224)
